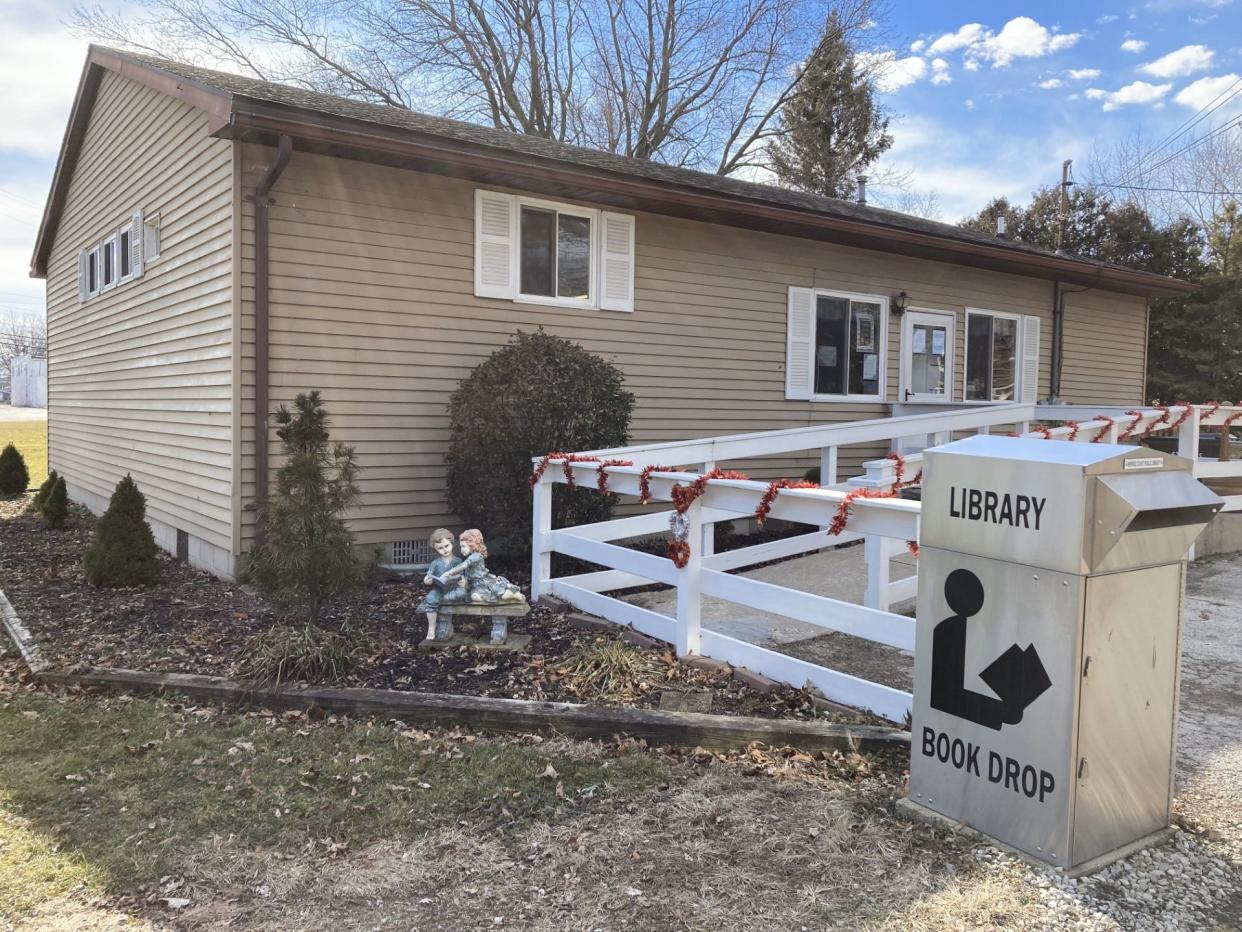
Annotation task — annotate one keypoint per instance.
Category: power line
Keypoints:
(1189, 123)
(1136, 187)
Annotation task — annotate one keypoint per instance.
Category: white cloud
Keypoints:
(1021, 37)
(940, 71)
(1204, 92)
(1133, 45)
(1051, 83)
(969, 35)
(893, 73)
(1186, 60)
(1082, 74)
(918, 45)
(1107, 18)
(1140, 92)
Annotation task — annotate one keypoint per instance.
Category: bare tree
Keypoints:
(1194, 175)
(687, 82)
(20, 335)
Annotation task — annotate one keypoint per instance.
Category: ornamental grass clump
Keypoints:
(538, 394)
(55, 508)
(299, 653)
(306, 556)
(14, 476)
(123, 553)
(613, 671)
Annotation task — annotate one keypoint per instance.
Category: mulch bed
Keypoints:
(193, 622)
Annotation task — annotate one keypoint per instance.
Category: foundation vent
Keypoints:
(411, 553)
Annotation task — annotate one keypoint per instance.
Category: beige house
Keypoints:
(213, 245)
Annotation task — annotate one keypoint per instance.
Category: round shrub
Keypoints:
(123, 553)
(14, 476)
(56, 507)
(537, 394)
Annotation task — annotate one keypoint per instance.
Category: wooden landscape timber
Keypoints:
(520, 716)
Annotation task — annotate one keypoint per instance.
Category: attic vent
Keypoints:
(411, 553)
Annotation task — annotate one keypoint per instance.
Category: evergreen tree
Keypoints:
(307, 553)
(14, 476)
(56, 507)
(45, 490)
(1196, 345)
(831, 128)
(1225, 241)
(1097, 227)
(123, 552)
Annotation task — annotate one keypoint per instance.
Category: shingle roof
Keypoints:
(535, 147)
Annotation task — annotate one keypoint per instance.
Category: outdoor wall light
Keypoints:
(899, 303)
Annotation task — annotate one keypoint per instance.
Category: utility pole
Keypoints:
(1063, 210)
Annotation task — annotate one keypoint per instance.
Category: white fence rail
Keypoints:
(884, 524)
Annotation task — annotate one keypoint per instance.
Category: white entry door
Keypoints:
(926, 356)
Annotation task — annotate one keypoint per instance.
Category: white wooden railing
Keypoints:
(884, 524)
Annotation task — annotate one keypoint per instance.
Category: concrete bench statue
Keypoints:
(462, 586)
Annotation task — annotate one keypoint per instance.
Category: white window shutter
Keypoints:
(495, 244)
(616, 262)
(800, 344)
(84, 282)
(135, 245)
(1030, 360)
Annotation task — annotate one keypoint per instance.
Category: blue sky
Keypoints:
(988, 99)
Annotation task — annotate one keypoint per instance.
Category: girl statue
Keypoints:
(483, 587)
(447, 587)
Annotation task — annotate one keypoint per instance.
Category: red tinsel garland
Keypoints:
(679, 551)
(1133, 426)
(1187, 410)
(1073, 434)
(1043, 431)
(683, 497)
(644, 481)
(1212, 408)
(542, 466)
(601, 476)
(1103, 432)
(773, 489)
(1229, 420)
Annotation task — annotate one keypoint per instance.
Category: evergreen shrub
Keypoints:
(538, 394)
(123, 552)
(14, 476)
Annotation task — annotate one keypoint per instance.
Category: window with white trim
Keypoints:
(545, 252)
(1002, 357)
(836, 346)
(118, 257)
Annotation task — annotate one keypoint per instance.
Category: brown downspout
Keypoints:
(1058, 342)
(262, 215)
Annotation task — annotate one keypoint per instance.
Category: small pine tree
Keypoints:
(14, 476)
(56, 508)
(123, 553)
(45, 490)
(307, 554)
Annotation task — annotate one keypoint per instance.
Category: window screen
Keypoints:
(555, 254)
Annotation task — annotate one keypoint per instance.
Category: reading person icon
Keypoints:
(1017, 676)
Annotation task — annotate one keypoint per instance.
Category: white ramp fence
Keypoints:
(885, 524)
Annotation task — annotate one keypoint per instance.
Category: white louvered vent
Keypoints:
(494, 259)
(411, 553)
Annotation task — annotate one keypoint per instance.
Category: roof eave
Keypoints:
(217, 104)
(264, 121)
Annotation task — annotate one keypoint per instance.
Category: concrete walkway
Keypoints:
(839, 573)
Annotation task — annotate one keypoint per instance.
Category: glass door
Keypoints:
(927, 357)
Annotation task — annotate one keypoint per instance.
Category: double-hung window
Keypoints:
(836, 343)
(542, 252)
(1002, 357)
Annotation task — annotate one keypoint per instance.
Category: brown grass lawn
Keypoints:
(30, 438)
(135, 813)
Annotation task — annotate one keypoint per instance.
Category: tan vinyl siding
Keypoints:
(1105, 348)
(372, 302)
(140, 377)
